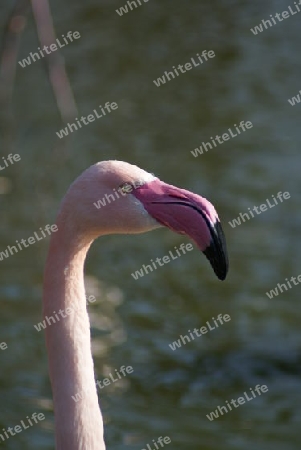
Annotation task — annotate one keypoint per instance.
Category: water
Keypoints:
(133, 322)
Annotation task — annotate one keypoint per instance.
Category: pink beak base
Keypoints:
(187, 213)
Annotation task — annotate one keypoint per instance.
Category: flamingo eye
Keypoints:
(126, 188)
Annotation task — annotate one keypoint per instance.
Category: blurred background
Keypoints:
(133, 322)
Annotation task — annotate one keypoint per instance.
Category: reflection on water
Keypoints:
(169, 392)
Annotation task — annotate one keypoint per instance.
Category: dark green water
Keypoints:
(133, 322)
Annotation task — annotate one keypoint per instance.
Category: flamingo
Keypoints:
(150, 204)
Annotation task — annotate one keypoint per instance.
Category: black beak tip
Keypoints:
(219, 263)
(216, 253)
(221, 275)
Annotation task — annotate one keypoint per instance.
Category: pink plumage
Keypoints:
(79, 425)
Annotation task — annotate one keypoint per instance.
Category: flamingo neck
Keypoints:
(78, 420)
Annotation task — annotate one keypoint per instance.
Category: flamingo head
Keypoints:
(117, 197)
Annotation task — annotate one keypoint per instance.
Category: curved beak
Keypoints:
(187, 213)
